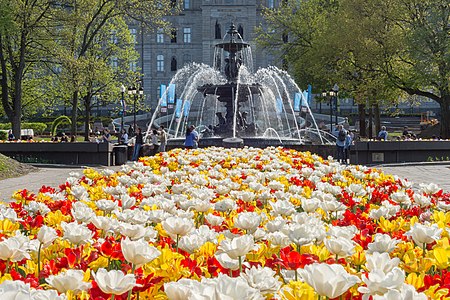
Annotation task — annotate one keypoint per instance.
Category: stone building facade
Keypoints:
(200, 25)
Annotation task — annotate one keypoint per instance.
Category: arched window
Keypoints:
(160, 63)
(241, 31)
(218, 31)
(173, 35)
(173, 64)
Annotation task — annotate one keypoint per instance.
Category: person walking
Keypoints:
(162, 139)
(139, 140)
(154, 145)
(348, 143)
(383, 134)
(191, 140)
(341, 136)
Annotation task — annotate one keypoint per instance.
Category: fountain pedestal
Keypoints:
(233, 142)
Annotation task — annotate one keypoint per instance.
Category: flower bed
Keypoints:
(227, 224)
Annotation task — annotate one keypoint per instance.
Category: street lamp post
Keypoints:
(136, 92)
(333, 94)
(122, 90)
(335, 90)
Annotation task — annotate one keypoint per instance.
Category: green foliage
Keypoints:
(58, 121)
(3, 135)
(37, 127)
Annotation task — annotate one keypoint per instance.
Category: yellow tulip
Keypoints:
(441, 257)
(435, 293)
(101, 262)
(416, 280)
(8, 227)
(297, 290)
(54, 218)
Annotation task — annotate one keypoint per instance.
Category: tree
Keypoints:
(375, 49)
(422, 65)
(87, 23)
(22, 42)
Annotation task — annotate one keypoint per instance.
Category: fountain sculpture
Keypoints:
(230, 101)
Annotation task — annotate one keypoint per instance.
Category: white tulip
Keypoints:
(247, 221)
(340, 247)
(14, 248)
(262, 279)
(138, 252)
(75, 233)
(381, 261)
(177, 226)
(227, 262)
(214, 220)
(81, 212)
(114, 282)
(237, 247)
(107, 205)
(328, 280)
(424, 234)
(192, 242)
(70, 280)
(382, 243)
(378, 283)
(46, 235)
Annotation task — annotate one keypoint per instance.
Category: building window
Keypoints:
(133, 66)
(241, 31)
(187, 35)
(113, 37)
(160, 63)
(187, 4)
(160, 36)
(218, 31)
(173, 35)
(114, 62)
(133, 33)
(173, 64)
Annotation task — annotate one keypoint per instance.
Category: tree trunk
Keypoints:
(377, 119)
(370, 122)
(362, 120)
(74, 115)
(17, 103)
(445, 117)
(87, 116)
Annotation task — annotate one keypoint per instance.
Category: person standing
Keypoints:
(341, 136)
(348, 143)
(383, 134)
(11, 135)
(123, 137)
(106, 136)
(191, 141)
(139, 140)
(162, 139)
(154, 145)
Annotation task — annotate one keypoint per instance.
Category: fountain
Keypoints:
(232, 105)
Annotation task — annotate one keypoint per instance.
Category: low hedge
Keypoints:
(37, 127)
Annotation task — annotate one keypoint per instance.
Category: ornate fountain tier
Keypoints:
(233, 47)
(226, 92)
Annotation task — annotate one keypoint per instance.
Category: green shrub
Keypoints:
(3, 135)
(37, 127)
(58, 121)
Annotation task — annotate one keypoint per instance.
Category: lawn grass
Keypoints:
(10, 168)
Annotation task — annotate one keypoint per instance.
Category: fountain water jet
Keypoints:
(229, 101)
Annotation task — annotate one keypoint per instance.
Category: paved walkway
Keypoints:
(418, 173)
(48, 176)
